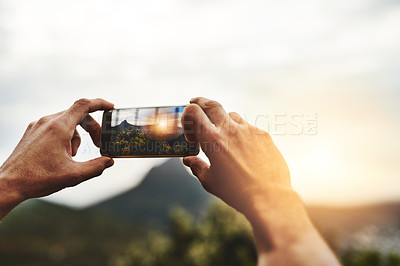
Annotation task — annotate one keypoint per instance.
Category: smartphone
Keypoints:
(145, 132)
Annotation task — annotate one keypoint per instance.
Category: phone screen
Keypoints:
(145, 132)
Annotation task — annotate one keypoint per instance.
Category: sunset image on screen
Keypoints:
(148, 132)
(165, 124)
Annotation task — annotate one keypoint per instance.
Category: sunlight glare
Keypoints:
(319, 160)
(163, 124)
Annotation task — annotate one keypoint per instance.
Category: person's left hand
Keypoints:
(42, 162)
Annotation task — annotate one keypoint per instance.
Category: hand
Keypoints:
(42, 163)
(248, 172)
(245, 163)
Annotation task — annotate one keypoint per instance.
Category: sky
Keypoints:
(321, 76)
(145, 116)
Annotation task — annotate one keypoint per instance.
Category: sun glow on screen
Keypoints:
(163, 124)
(164, 127)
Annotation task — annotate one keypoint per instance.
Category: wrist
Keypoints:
(10, 197)
(278, 218)
(270, 199)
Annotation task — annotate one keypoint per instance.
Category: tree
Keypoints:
(222, 237)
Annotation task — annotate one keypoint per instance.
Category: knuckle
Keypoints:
(82, 102)
(98, 100)
(233, 128)
(233, 114)
(191, 108)
(211, 104)
(31, 125)
(195, 99)
(236, 117)
(264, 134)
(42, 120)
(267, 136)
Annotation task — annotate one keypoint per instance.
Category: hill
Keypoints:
(124, 125)
(164, 187)
(41, 233)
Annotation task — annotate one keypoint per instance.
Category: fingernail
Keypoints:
(192, 100)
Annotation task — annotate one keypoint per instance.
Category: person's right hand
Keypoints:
(245, 163)
(248, 172)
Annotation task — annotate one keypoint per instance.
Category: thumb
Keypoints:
(92, 168)
(200, 169)
(197, 126)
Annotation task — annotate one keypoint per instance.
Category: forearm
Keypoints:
(251, 175)
(283, 232)
(9, 196)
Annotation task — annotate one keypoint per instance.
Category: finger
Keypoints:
(82, 107)
(196, 125)
(89, 169)
(75, 142)
(236, 117)
(199, 168)
(92, 127)
(213, 110)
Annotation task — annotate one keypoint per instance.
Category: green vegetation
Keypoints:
(133, 141)
(44, 234)
(369, 258)
(167, 220)
(222, 237)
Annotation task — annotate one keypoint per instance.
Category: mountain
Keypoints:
(164, 187)
(41, 233)
(123, 125)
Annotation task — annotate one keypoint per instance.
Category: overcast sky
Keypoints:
(331, 66)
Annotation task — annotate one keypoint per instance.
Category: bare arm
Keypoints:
(42, 163)
(248, 172)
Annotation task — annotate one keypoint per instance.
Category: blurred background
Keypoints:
(321, 76)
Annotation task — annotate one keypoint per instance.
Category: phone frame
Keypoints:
(106, 133)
